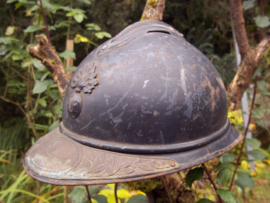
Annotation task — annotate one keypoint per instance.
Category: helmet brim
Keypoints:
(57, 159)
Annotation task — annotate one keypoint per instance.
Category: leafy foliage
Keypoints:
(193, 175)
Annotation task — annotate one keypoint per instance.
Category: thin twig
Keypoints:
(15, 71)
(245, 133)
(166, 188)
(212, 182)
(88, 194)
(115, 193)
(45, 22)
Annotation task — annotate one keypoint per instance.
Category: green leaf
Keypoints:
(93, 26)
(258, 113)
(41, 86)
(54, 125)
(228, 157)
(11, 1)
(37, 64)
(224, 177)
(244, 180)
(16, 57)
(78, 17)
(101, 35)
(257, 154)
(137, 199)
(7, 40)
(262, 21)
(254, 143)
(71, 69)
(248, 4)
(261, 85)
(99, 198)
(204, 200)
(32, 28)
(225, 166)
(3, 50)
(226, 195)
(193, 175)
(43, 102)
(67, 53)
(262, 124)
(77, 194)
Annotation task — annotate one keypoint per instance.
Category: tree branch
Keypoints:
(153, 10)
(247, 67)
(49, 58)
(250, 58)
(238, 24)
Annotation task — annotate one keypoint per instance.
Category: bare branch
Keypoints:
(238, 24)
(153, 10)
(248, 66)
(49, 58)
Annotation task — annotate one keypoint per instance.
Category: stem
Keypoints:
(245, 134)
(45, 22)
(115, 193)
(212, 182)
(88, 194)
(166, 188)
(262, 7)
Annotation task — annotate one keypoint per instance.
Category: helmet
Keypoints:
(146, 103)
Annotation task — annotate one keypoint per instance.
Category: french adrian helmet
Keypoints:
(144, 104)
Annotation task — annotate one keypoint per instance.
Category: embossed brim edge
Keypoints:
(59, 160)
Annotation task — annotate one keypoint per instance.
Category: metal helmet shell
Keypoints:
(146, 93)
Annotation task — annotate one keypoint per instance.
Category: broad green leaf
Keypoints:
(258, 113)
(101, 35)
(32, 28)
(254, 143)
(261, 85)
(93, 189)
(99, 198)
(257, 154)
(262, 124)
(228, 157)
(226, 195)
(77, 194)
(93, 26)
(67, 53)
(78, 17)
(262, 21)
(3, 50)
(137, 199)
(204, 200)
(37, 64)
(225, 166)
(7, 40)
(248, 4)
(10, 30)
(54, 125)
(44, 76)
(41, 86)
(244, 180)
(193, 175)
(224, 177)
(43, 102)
(18, 5)
(27, 63)
(16, 57)
(71, 69)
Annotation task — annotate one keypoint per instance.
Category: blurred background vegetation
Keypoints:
(30, 104)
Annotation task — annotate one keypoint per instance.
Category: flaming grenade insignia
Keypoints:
(84, 80)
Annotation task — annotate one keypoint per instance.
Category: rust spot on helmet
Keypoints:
(192, 67)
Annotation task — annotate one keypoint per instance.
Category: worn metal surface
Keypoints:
(144, 104)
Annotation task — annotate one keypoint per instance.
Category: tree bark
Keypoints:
(153, 10)
(49, 58)
(251, 58)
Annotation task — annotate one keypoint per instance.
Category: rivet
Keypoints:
(172, 164)
(104, 47)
